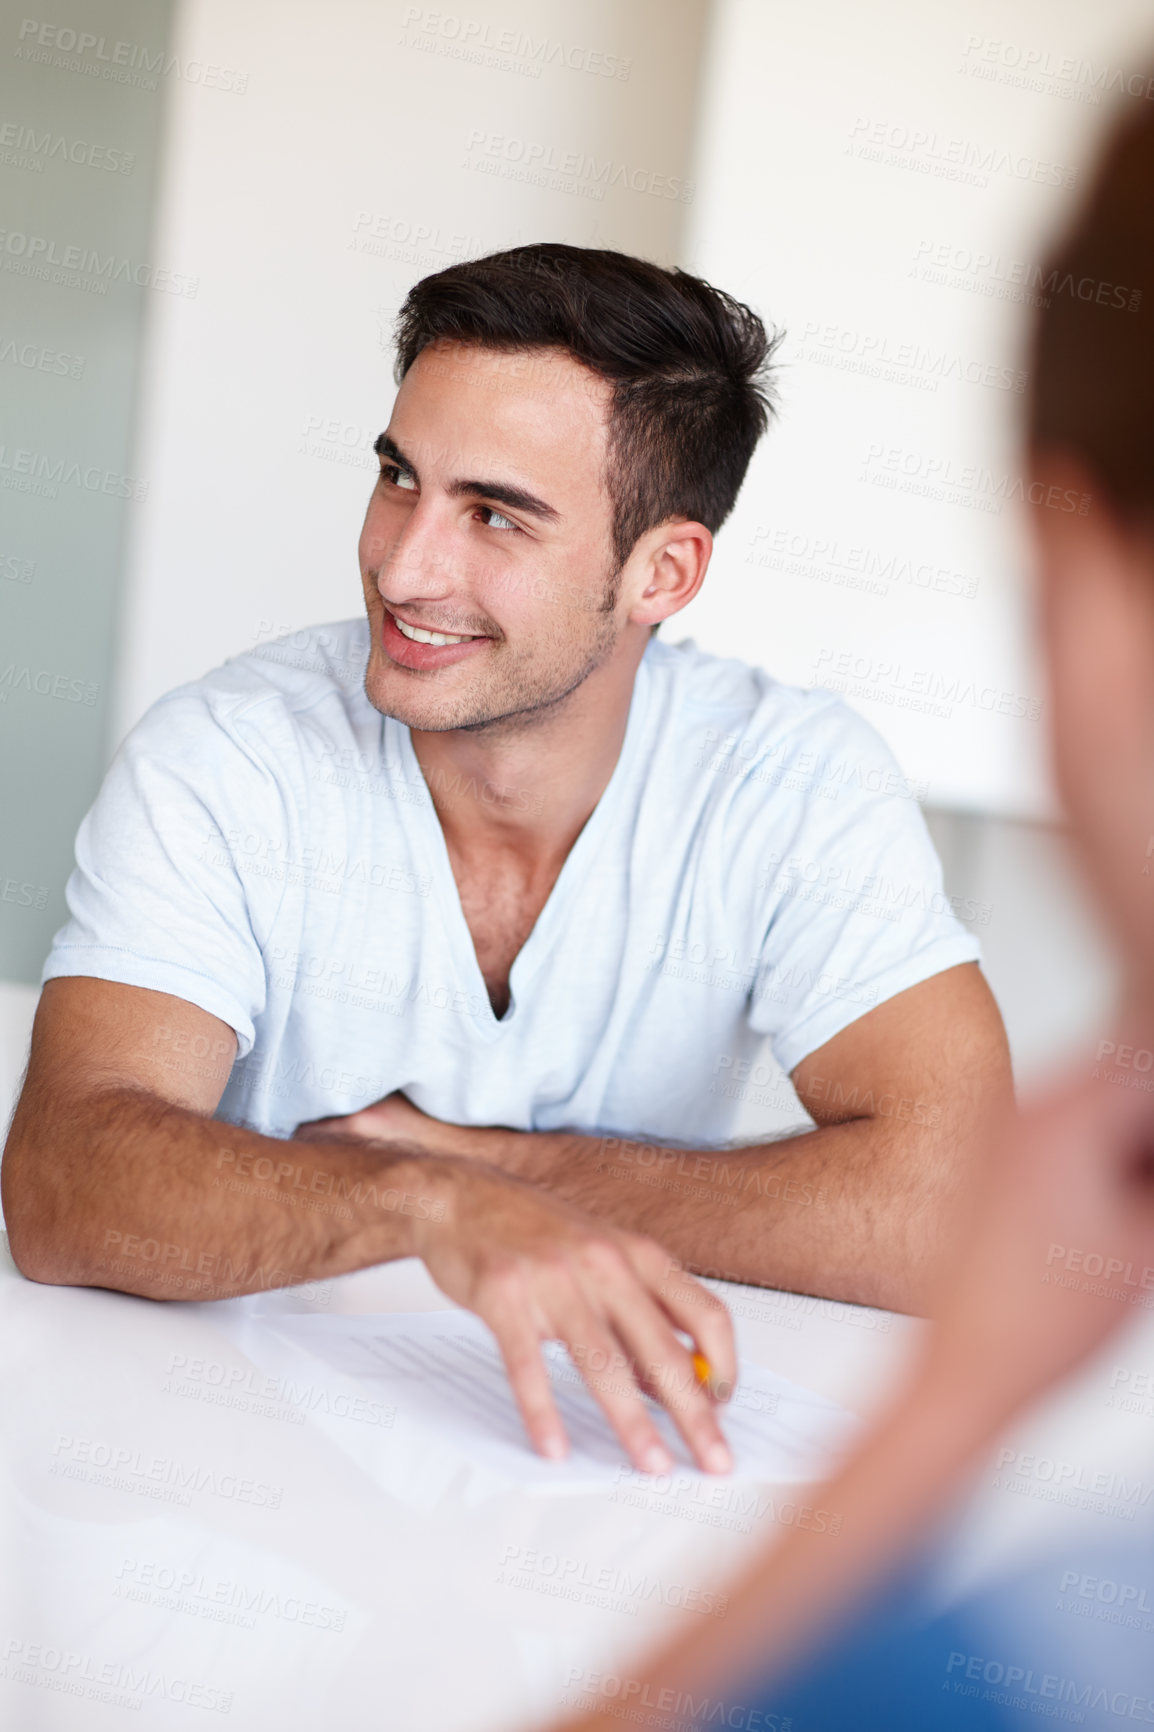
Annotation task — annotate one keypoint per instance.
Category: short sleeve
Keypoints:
(157, 898)
(853, 903)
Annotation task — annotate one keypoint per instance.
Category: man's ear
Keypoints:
(666, 569)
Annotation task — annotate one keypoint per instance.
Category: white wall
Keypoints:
(263, 392)
(830, 136)
(374, 142)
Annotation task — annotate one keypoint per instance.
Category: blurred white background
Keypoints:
(878, 180)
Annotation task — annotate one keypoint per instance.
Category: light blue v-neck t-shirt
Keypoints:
(264, 846)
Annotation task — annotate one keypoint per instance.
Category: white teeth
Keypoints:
(419, 636)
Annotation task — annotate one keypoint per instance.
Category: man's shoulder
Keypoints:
(737, 720)
(252, 735)
(313, 677)
(300, 669)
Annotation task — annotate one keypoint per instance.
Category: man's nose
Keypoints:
(418, 558)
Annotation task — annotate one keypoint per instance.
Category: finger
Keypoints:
(530, 1382)
(604, 1363)
(669, 1368)
(692, 1308)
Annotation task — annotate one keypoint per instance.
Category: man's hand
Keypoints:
(394, 1119)
(536, 1269)
(858, 1209)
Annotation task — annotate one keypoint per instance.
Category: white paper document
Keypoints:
(442, 1374)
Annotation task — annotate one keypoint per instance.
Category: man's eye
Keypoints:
(496, 520)
(397, 477)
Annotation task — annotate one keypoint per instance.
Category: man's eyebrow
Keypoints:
(386, 447)
(516, 498)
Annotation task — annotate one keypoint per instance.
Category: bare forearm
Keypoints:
(151, 1198)
(834, 1212)
(880, 1508)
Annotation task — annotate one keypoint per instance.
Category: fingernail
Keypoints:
(553, 1446)
(723, 1390)
(718, 1459)
(656, 1460)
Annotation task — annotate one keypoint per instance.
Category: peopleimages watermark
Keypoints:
(366, 986)
(636, 1700)
(790, 1310)
(117, 1683)
(163, 1478)
(192, 1268)
(727, 1178)
(1022, 281)
(193, 1054)
(971, 485)
(1019, 1686)
(272, 1397)
(911, 688)
(308, 867)
(701, 963)
(1125, 1066)
(1132, 1391)
(19, 893)
(1098, 1490)
(539, 163)
(301, 1077)
(14, 569)
(878, 896)
(737, 1508)
(876, 356)
(1107, 1601)
(39, 358)
(221, 1599)
(824, 559)
(614, 1587)
(478, 42)
(44, 683)
(27, 471)
(21, 146)
(75, 266)
(385, 235)
(118, 62)
(1099, 1273)
(924, 151)
(242, 1164)
(331, 440)
(1031, 67)
(786, 764)
(833, 1093)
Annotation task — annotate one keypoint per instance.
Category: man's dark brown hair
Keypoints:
(1092, 370)
(689, 365)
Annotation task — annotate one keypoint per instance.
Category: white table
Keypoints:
(289, 1589)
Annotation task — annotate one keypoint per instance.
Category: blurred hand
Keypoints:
(1054, 1250)
(1055, 1244)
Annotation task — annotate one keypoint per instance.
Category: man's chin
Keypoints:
(409, 697)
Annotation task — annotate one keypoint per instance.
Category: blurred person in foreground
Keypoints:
(1074, 1170)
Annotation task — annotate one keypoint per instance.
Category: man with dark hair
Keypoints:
(471, 919)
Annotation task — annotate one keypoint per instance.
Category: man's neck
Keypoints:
(525, 789)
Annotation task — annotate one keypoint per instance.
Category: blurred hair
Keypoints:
(1092, 367)
(689, 365)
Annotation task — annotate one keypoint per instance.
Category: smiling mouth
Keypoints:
(418, 635)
